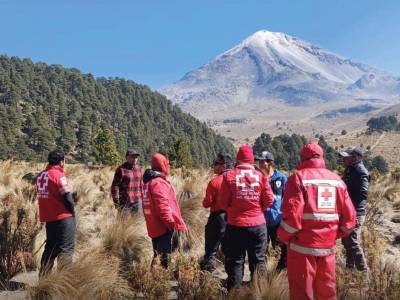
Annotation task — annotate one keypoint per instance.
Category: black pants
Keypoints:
(214, 233)
(272, 232)
(238, 241)
(128, 208)
(163, 246)
(60, 243)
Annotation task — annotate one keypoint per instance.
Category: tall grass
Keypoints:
(19, 224)
(114, 252)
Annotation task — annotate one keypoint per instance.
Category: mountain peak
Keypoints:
(263, 36)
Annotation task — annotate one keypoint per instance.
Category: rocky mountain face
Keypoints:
(277, 77)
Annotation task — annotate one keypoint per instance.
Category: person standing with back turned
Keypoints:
(316, 210)
(56, 209)
(245, 195)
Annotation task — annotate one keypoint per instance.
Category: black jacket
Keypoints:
(357, 180)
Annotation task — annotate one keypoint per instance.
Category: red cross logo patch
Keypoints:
(247, 180)
(43, 182)
(326, 197)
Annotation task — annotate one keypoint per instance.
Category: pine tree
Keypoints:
(183, 158)
(105, 148)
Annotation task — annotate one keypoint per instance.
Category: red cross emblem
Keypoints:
(326, 197)
(247, 180)
(326, 194)
(43, 181)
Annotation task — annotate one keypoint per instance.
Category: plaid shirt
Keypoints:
(127, 186)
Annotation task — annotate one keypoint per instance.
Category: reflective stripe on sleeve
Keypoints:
(288, 228)
(321, 217)
(328, 182)
(311, 251)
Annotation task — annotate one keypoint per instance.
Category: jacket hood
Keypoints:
(317, 163)
(149, 175)
(311, 150)
(160, 163)
(245, 155)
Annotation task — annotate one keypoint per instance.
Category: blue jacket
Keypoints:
(273, 215)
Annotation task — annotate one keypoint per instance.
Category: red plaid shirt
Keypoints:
(127, 186)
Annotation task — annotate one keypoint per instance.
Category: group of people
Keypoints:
(251, 206)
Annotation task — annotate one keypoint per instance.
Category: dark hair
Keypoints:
(55, 157)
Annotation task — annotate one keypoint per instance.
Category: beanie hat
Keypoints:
(245, 155)
(311, 151)
(160, 163)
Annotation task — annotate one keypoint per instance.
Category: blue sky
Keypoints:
(157, 42)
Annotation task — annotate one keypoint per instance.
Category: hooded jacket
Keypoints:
(316, 209)
(160, 206)
(245, 192)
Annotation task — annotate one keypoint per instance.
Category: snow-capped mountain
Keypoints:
(275, 68)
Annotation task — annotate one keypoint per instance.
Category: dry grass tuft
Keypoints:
(19, 226)
(194, 283)
(195, 217)
(93, 276)
(126, 238)
(273, 287)
(149, 283)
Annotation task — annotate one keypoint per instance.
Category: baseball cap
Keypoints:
(222, 158)
(132, 152)
(265, 155)
(355, 151)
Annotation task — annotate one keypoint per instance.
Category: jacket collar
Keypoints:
(314, 163)
(56, 167)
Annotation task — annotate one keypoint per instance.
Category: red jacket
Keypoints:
(245, 194)
(160, 207)
(316, 210)
(51, 186)
(211, 199)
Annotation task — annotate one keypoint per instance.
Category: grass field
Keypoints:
(113, 254)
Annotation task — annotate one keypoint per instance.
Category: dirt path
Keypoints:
(378, 141)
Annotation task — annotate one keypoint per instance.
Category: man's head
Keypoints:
(351, 156)
(56, 157)
(245, 155)
(132, 156)
(221, 163)
(311, 151)
(160, 163)
(266, 161)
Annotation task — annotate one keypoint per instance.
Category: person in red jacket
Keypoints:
(161, 209)
(215, 227)
(316, 210)
(245, 194)
(56, 209)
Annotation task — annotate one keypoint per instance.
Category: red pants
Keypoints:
(311, 277)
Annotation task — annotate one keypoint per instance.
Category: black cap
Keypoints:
(223, 159)
(265, 155)
(132, 152)
(55, 157)
(355, 151)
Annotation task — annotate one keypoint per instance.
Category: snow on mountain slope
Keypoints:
(274, 69)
